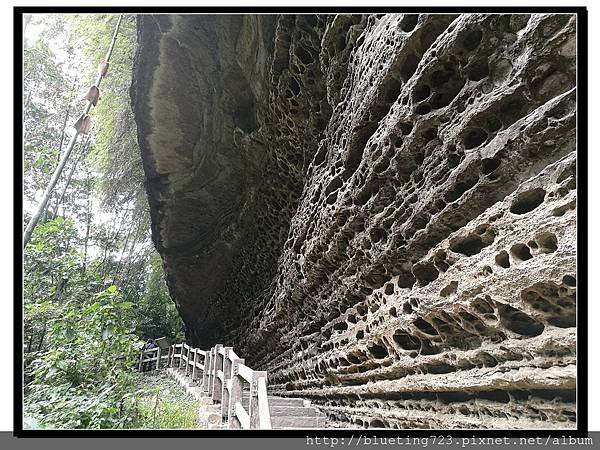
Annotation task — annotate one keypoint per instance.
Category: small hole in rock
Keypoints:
(421, 93)
(472, 244)
(488, 165)
(425, 273)
(493, 124)
(547, 242)
(304, 56)
(472, 39)
(449, 289)
(475, 137)
(423, 109)
(479, 70)
(409, 67)
(340, 326)
(425, 327)
(429, 134)
(377, 235)
(294, 86)
(405, 128)
(502, 259)
(409, 22)
(406, 341)
(527, 201)
(406, 280)
(521, 252)
(519, 322)
(378, 351)
(441, 99)
(389, 289)
(440, 77)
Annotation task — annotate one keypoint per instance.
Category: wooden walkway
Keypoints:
(232, 394)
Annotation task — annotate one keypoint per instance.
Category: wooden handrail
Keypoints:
(245, 372)
(222, 375)
(242, 416)
(149, 355)
(264, 415)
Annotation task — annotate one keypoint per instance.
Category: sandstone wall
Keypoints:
(379, 210)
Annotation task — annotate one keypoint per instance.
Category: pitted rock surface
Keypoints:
(378, 210)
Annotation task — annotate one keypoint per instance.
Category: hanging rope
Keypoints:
(82, 126)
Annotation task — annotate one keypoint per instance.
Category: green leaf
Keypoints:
(94, 307)
(126, 305)
(69, 334)
(62, 365)
(112, 289)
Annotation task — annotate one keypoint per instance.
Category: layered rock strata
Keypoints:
(379, 210)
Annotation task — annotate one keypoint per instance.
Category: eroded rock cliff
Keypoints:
(379, 210)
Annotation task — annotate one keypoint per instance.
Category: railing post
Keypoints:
(180, 356)
(157, 358)
(187, 362)
(226, 378)
(141, 359)
(194, 364)
(169, 356)
(253, 404)
(217, 389)
(210, 371)
(206, 371)
(235, 394)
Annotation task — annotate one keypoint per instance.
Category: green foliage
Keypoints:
(81, 346)
(116, 154)
(46, 100)
(93, 284)
(157, 315)
(82, 377)
(50, 261)
(161, 404)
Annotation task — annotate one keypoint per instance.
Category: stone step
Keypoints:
(297, 422)
(293, 411)
(285, 401)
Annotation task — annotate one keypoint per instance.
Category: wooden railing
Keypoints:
(151, 357)
(223, 376)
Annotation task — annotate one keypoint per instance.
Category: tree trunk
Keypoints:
(59, 200)
(88, 220)
(132, 259)
(60, 146)
(42, 337)
(108, 242)
(119, 263)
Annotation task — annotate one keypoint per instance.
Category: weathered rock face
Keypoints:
(379, 210)
(224, 168)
